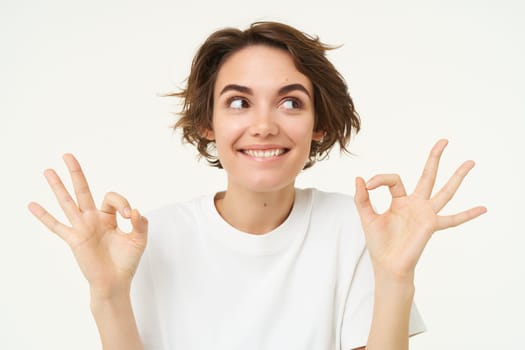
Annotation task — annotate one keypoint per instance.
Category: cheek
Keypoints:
(301, 132)
(226, 135)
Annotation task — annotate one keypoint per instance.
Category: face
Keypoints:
(263, 119)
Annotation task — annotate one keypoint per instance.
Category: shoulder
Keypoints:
(176, 212)
(177, 221)
(336, 213)
(333, 198)
(333, 203)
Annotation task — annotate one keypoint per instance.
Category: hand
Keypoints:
(396, 238)
(107, 256)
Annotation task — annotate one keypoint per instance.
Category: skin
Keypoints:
(107, 256)
(397, 238)
(254, 114)
(262, 103)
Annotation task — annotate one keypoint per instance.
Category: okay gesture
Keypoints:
(397, 237)
(107, 256)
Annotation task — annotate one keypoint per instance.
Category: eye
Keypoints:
(291, 103)
(238, 103)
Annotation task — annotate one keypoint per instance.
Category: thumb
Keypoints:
(362, 201)
(139, 223)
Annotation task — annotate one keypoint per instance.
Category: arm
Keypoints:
(397, 238)
(116, 323)
(107, 256)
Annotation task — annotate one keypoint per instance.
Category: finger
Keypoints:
(49, 221)
(460, 218)
(441, 198)
(139, 223)
(65, 200)
(114, 202)
(428, 177)
(362, 201)
(393, 181)
(84, 198)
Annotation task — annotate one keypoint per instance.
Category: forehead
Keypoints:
(260, 66)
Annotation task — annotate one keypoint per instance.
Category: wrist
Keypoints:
(105, 296)
(114, 304)
(393, 298)
(393, 274)
(394, 284)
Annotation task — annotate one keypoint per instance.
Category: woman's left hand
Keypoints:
(397, 237)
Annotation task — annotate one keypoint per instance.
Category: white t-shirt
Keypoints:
(308, 284)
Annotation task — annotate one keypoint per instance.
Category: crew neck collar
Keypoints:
(268, 243)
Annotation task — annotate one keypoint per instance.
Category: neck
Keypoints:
(255, 212)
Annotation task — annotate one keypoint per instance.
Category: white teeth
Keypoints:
(264, 153)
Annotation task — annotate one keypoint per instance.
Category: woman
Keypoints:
(262, 264)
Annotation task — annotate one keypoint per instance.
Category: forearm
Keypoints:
(390, 323)
(116, 323)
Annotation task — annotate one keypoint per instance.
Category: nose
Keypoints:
(264, 123)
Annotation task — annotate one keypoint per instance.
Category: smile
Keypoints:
(267, 153)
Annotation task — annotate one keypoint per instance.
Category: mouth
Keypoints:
(265, 153)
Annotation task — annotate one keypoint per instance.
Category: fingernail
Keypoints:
(127, 211)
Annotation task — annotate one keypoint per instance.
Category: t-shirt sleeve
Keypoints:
(145, 308)
(359, 307)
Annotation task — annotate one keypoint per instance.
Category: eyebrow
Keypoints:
(282, 91)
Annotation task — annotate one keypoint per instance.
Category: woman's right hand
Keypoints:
(107, 256)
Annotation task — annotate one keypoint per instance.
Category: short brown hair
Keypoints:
(333, 107)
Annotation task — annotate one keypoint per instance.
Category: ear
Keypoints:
(318, 135)
(208, 134)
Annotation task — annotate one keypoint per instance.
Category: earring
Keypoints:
(322, 138)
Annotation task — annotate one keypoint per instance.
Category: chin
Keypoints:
(263, 177)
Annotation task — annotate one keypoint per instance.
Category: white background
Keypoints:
(84, 77)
